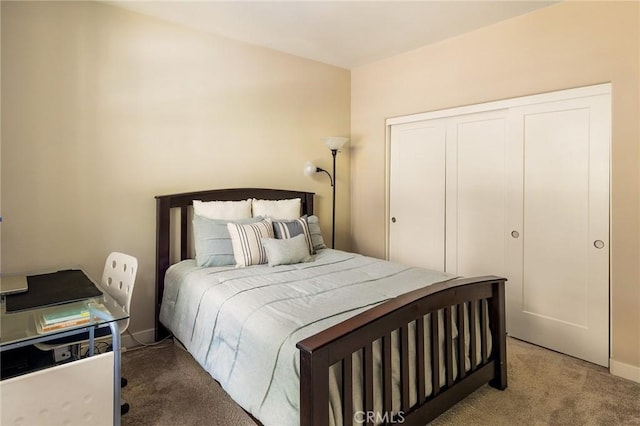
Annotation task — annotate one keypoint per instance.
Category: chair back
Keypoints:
(118, 279)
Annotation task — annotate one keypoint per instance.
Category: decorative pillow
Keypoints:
(212, 240)
(286, 251)
(290, 229)
(247, 241)
(316, 233)
(228, 210)
(277, 209)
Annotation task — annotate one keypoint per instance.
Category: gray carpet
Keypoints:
(167, 387)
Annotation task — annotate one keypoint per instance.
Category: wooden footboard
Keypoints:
(460, 297)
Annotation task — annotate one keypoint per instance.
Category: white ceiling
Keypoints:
(342, 33)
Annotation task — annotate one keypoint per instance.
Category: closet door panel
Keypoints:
(560, 298)
(476, 194)
(556, 214)
(417, 194)
(599, 222)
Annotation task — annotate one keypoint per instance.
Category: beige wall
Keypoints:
(102, 109)
(563, 46)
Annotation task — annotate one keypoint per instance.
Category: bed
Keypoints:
(386, 344)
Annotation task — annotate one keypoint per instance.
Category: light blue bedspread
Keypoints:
(242, 324)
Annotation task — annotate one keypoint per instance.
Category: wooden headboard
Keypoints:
(180, 203)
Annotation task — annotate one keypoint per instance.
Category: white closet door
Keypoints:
(558, 289)
(417, 194)
(476, 191)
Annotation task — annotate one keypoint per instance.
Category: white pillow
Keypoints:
(246, 240)
(226, 210)
(286, 251)
(277, 209)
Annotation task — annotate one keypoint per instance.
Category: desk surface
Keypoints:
(20, 326)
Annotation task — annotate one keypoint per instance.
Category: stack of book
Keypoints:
(63, 317)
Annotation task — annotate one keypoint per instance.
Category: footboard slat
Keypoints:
(404, 367)
(483, 332)
(368, 380)
(387, 375)
(347, 387)
(448, 346)
(420, 359)
(473, 312)
(462, 371)
(470, 297)
(435, 353)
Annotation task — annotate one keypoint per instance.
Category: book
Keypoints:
(45, 328)
(63, 314)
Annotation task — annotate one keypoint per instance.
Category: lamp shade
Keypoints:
(335, 142)
(309, 168)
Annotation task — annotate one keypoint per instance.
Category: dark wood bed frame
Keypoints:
(482, 296)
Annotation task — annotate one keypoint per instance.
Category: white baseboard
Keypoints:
(626, 371)
(146, 336)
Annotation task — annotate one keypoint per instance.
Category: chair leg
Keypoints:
(124, 406)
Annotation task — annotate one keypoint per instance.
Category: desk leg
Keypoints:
(91, 340)
(115, 336)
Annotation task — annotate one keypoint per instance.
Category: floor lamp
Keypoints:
(334, 143)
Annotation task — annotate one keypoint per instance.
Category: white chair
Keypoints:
(118, 279)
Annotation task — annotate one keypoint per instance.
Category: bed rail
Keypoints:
(481, 298)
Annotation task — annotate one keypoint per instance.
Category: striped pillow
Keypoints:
(246, 240)
(290, 229)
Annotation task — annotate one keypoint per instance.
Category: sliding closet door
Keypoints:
(558, 251)
(417, 194)
(476, 192)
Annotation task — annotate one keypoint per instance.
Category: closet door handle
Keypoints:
(598, 244)
(515, 234)
(393, 220)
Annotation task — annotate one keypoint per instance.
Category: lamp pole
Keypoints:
(333, 210)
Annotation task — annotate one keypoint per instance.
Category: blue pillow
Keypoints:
(286, 251)
(212, 240)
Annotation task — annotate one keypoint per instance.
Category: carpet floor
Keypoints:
(168, 387)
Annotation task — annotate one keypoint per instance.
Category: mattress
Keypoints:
(242, 324)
